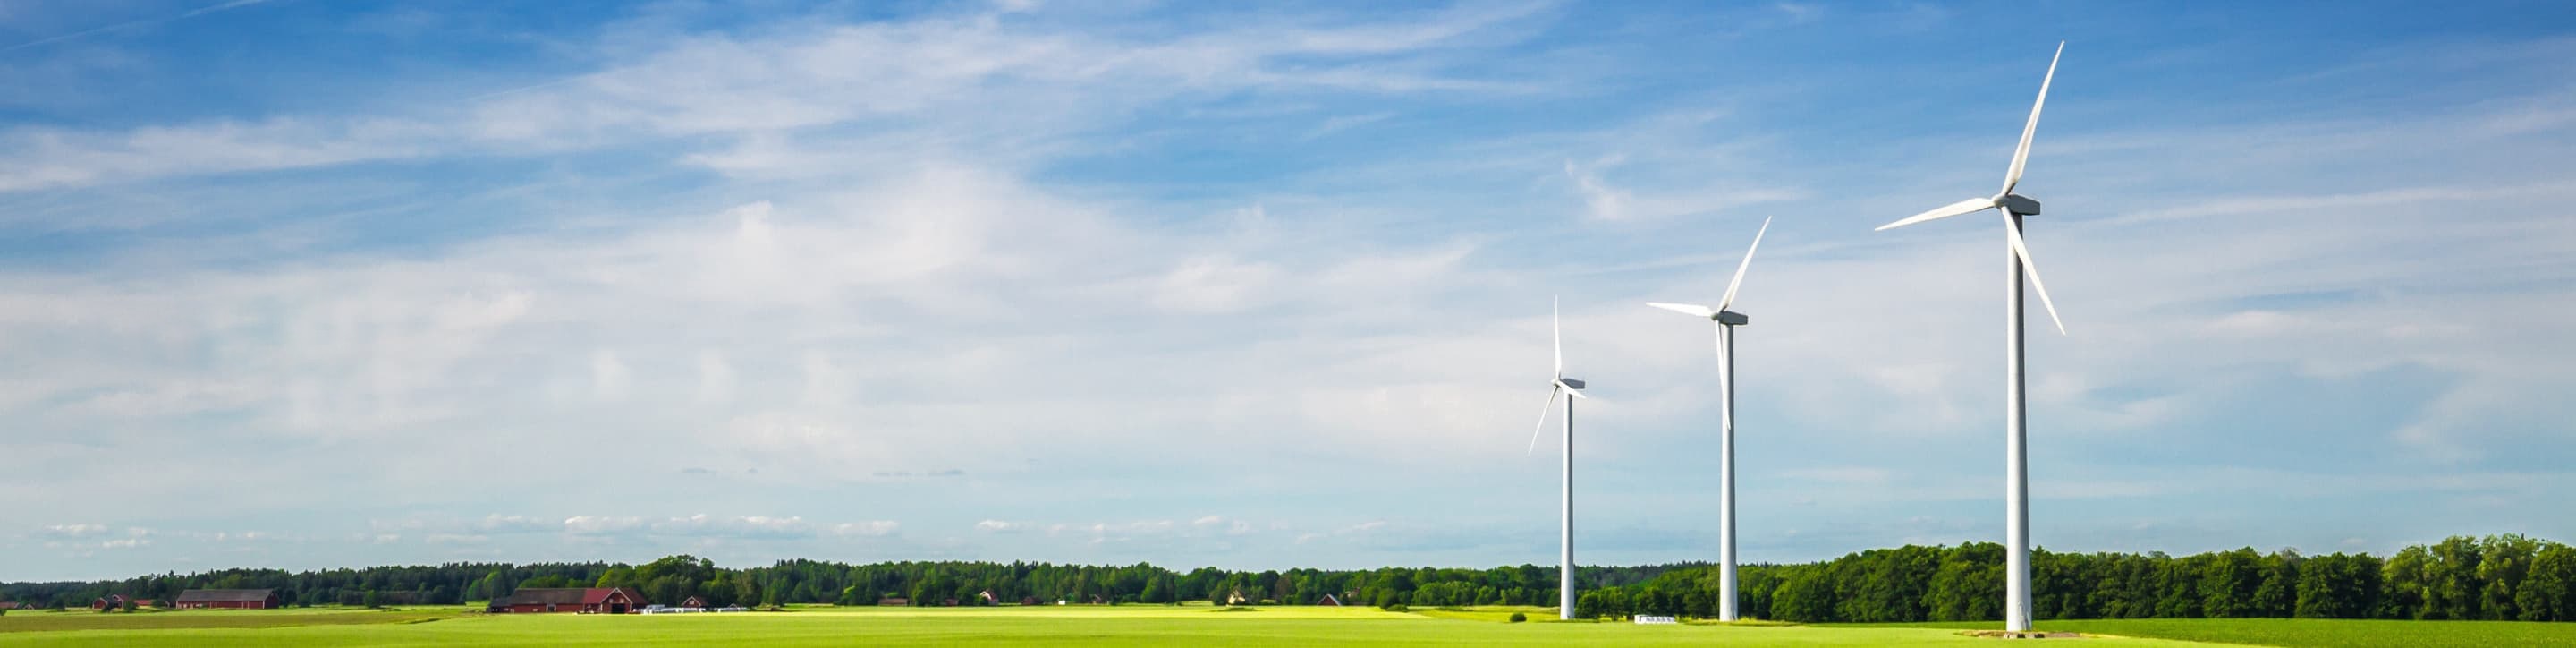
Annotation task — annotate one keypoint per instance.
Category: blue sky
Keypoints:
(306, 284)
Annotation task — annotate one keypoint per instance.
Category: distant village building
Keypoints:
(694, 602)
(110, 601)
(1329, 599)
(246, 599)
(584, 600)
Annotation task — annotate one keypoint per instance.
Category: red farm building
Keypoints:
(246, 599)
(585, 600)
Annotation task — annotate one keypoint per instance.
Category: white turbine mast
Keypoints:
(1723, 322)
(1572, 389)
(2017, 595)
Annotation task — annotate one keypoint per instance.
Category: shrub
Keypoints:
(1397, 607)
(1518, 617)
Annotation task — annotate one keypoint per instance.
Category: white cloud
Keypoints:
(715, 378)
(75, 530)
(873, 528)
(599, 525)
(608, 376)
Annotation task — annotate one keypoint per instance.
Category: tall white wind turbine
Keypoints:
(2016, 430)
(1572, 389)
(1724, 322)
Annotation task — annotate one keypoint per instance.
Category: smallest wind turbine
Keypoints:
(1573, 389)
(1725, 321)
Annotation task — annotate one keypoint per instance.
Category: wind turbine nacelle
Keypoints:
(2019, 204)
(1732, 318)
(1571, 382)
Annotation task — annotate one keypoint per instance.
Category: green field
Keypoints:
(1150, 625)
(2308, 632)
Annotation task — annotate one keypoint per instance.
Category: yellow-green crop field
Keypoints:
(1141, 626)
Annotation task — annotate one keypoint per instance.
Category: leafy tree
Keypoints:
(2548, 591)
(2503, 563)
(2451, 578)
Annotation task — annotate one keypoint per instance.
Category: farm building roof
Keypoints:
(224, 595)
(598, 595)
(569, 595)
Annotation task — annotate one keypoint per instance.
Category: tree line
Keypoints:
(2505, 577)
(2497, 577)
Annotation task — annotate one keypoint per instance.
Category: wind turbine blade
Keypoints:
(1542, 418)
(1556, 328)
(1693, 310)
(2021, 154)
(2013, 231)
(1970, 205)
(1577, 393)
(1738, 282)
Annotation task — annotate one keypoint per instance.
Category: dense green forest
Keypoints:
(2498, 577)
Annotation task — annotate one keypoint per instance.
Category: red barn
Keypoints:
(247, 599)
(585, 600)
(108, 602)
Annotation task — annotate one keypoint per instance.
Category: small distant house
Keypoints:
(584, 600)
(11, 605)
(107, 602)
(894, 601)
(1329, 600)
(246, 599)
(693, 602)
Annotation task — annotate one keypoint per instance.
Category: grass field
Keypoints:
(2309, 632)
(1152, 626)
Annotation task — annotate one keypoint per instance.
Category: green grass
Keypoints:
(1005, 626)
(2306, 632)
(85, 619)
(1155, 625)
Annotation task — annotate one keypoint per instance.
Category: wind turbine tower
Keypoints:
(2016, 430)
(1572, 389)
(1724, 322)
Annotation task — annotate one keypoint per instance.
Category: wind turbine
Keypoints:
(1573, 389)
(2016, 429)
(1724, 322)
